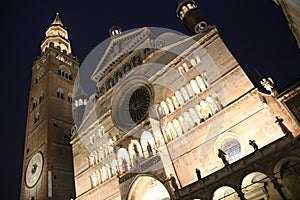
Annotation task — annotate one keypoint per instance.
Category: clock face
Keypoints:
(34, 169)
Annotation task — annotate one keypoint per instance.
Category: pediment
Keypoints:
(119, 46)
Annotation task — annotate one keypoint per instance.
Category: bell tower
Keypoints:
(48, 163)
(191, 17)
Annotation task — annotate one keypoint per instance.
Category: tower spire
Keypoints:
(57, 20)
(56, 36)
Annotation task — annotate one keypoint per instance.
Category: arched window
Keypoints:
(177, 127)
(179, 97)
(232, 148)
(123, 160)
(194, 116)
(175, 102)
(60, 93)
(201, 83)
(165, 107)
(34, 103)
(135, 151)
(184, 94)
(205, 110)
(183, 124)
(101, 131)
(185, 66)
(148, 143)
(70, 99)
(36, 118)
(211, 102)
(42, 96)
(190, 90)
(195, 87)
(170, 105)
(63, 71)
(188, 120)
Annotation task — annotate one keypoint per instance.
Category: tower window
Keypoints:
(36, 118)
(64, 72)
(60, 93)
(41, 97)
(70, 99)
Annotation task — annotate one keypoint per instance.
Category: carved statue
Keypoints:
(149, 149)
(284, 129)
(253, 144)
(198, 172)
(136, 150)
(222, 155)
(124, 164)
(173, 181)
(268, 84)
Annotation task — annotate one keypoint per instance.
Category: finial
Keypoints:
(57, 20)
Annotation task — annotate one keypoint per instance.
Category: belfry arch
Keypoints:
(151, 187)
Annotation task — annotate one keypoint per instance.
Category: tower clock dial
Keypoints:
(34, 169)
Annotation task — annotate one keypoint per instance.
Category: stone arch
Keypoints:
(123, 160)
(179, 98)
(177, 127)
(257, 185)
(60, 93)
(183, 124)
(135, 157)
(175, 102)
(212, 104)
(165, 107)
(64, 69)
(195, 87)
(171, 133)
(152, 189)
(201, 83)
(186, 67)
(286, 172)
(184, 94)
(190, 90)
(181, 70)
(145, 138)
(199, 112)
(194, 116)
(205, 109)
(104, 173)
(170, 105)
(188, 120)
(114, 167)
(225, 193)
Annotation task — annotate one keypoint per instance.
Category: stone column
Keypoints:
(277, 186)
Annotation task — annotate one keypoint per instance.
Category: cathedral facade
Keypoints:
(172, 117)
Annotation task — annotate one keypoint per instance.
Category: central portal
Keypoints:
(148, 188)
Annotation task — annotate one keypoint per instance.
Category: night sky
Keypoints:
(255, 32)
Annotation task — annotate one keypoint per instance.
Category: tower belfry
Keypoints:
(47, 165)
(191, 17)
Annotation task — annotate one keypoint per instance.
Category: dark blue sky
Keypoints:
(255, 32)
